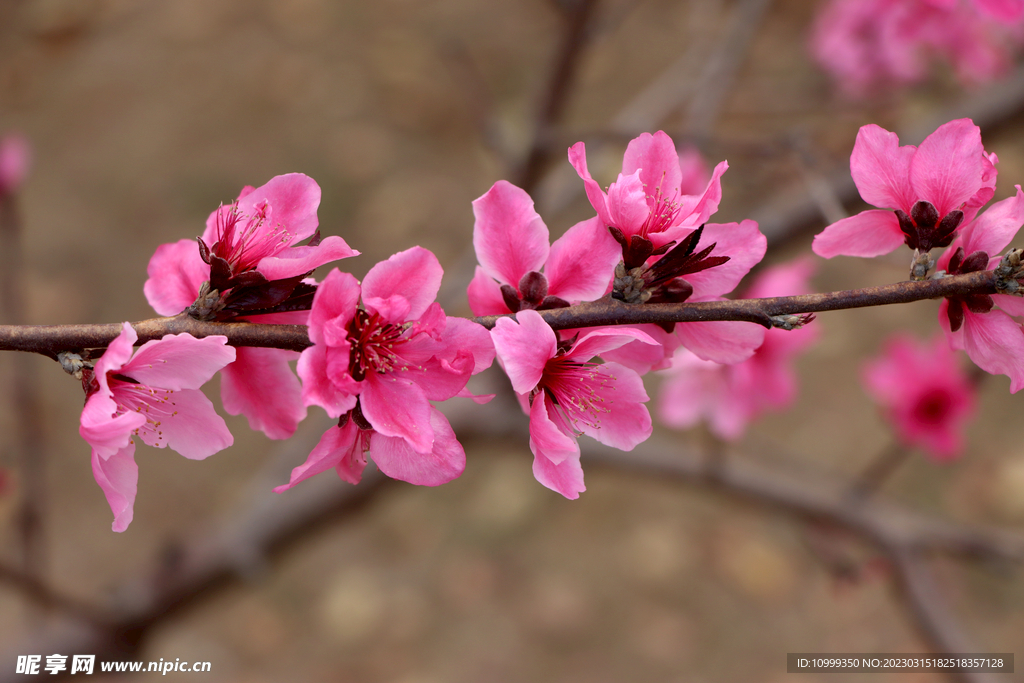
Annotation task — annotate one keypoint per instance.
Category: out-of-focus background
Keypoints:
(144, 116)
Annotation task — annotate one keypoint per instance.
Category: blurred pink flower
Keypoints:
(730, 397)
(251, 248)
(511, 243)
(153, 395)
(565, 394)
(924, 393)
(378, 367)
(865, 44)
(933, 190)
(15, 158)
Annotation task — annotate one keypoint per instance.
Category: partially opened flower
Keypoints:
(928, 192)
(511, 243)
(730, 397)
(981, 324)
(154, 395)
(377, 367)
(924, 393)
(249, 255)
(566, 393)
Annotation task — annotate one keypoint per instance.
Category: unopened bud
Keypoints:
(207, 304)
(792, 321)
(73, 363)
(920, 265)
(1010, 272)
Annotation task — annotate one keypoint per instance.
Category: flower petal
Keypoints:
(397, 407)
(118, 477)
(294, 199)
(336, 299)
(194, 430)
(721, 341)
(404, 286)
(176, 273)
(179, 361)
(656, 158)
(338, 448)
(550, 438)
(881, 169)
(261, 386)
(627, 422)
(599, 340)
(445, 461)
(581, 264)
(993, 230)
(995, 342)
(298, 260)
(597, 197)
(947, 167)
(869, 233)
(524, 346)
(745, 246)
(484, 295)
(334, 393)
(509, 237)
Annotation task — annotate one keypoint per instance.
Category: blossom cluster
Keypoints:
(383, 353)
(865, 44)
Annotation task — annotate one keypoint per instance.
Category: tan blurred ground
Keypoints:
(145, 115)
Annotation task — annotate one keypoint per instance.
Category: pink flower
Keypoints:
(511, 243)
(153, 395)
(647, 200)
(729, 397)
(989, 336)
(15, 158)
(565, 394)
(924, 393)
(251, 256)
(378, 367)
(870, 43)
(933, 189)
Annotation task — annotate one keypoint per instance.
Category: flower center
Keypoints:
(933, 407)
(664, 211)
(572, 386)
(155, 404)
(373, 342)
(244, 240)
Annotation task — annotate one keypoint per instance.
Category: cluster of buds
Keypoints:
(1010, 273)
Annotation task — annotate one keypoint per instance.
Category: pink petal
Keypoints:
(261, 386)
(721, 341)
(745, 246)
(599, 340)
(176, 273)
(641, 357)
(627, 204)
(509, 237)
(582, 262)
(15, 159)
(118, 477)
(565, 477)
(1012, 304)
(785, 279)
(294, 199)
(996, 345)
(656, 158)
(336, 395)
(869, 233)
(336, 298)
(397, 407)
(947, 167)
(695, 210)
(339, 448)
(955, 339)
(484, 295)
(471, 337)
(298, 260)
(550, 438)
(179, 361)
(881, 169)
(118, 352)
(993, 230)
(627, 422)
(445, 461)
(105, 433)
(1009, 11)
(597, 197)
(194, 430)
(691, 389)
(404, 286)
(524, 346)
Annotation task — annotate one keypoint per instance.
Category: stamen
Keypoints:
(573, 386)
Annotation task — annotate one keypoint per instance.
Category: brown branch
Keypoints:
(52, 339)
(40, 593)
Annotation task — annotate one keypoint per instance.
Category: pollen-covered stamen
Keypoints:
(373, 342)
(572, 386)
(664, 210)
(157, 405)
(244, 240)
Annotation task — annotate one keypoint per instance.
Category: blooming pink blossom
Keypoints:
(924, 393)
(153, 395)
(646, 200)
(565, 393)
(15, 158)
(379, 366)
(251, 248)
(864, 44)
(933, 189)
(729, 397)
(990, 336)
(511, 243)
